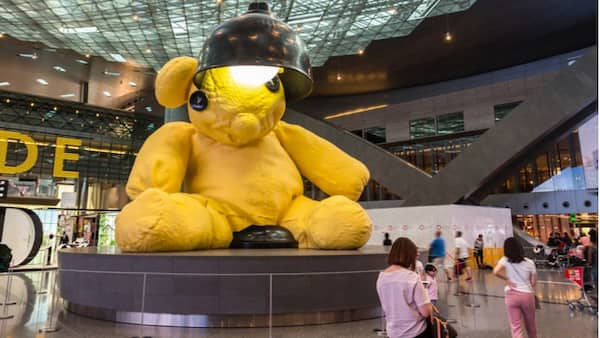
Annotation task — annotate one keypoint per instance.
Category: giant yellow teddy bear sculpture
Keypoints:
(239, 165)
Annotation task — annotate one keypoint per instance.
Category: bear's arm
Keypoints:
(162, 160)
(324, 164)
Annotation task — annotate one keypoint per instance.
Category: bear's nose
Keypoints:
(245, 127)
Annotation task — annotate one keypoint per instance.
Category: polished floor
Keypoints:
(31, 291)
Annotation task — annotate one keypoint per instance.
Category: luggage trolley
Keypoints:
(539, 256)
(575, 274)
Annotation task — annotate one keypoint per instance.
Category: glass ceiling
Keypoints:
(150, 32)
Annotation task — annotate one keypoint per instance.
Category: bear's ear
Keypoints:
(174, 80)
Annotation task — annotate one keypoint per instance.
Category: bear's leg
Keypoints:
(333, 223)
(158, 221)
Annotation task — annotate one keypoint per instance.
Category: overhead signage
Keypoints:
(61, 154)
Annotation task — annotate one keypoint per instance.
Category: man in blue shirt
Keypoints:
(437, 253)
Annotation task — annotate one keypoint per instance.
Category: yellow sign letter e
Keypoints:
(60, 156)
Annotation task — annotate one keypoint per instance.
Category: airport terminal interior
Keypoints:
(281, 168)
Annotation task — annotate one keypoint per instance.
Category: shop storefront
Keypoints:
(68, 162)
(541, 226)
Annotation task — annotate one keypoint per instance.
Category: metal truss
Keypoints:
(149, 33)
(110, 138)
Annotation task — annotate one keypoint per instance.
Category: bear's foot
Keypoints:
(158, 221)
(337, 223)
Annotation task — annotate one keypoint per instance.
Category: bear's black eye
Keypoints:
(198, 100)
(273, 84)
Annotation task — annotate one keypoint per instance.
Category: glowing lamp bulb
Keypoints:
(448, 37)
(253, 75)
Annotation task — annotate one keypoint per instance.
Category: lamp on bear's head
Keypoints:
(255, 45)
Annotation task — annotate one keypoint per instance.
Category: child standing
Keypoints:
(432, 290)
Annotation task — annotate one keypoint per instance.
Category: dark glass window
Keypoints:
(375, 134)
(422, 127)
(357, 132)
(543, 168)
(501, 110)
(450, 123)
(526, 182)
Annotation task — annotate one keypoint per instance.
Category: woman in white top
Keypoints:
(520, 276)
(404, 300)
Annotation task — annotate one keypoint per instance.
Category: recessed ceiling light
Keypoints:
(4, 84)
(147, 50)
(42, 82)
(78, 30)
(1, 34)
(106, 72)
(133, 84)
(28, 55)
(135, 17)
(571, 60)
(59, 69)
(83, 62)
(118, 57)
(68, 95)
(448, 37)
(107, 93)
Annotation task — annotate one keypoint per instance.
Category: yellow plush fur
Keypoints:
(238, 165)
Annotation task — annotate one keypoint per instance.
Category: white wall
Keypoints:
(420, 223)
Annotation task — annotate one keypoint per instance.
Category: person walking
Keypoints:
(590, 254)
(462, 255)
(5, 257)
(478, 251)
(50, 249)
(437, 253)
(520, 276)
(386, 239)
(64, 239)
(403, 297)
(567, 239)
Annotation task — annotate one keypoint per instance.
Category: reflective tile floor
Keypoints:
(30, 292)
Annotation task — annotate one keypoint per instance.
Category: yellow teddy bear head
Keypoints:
(228, 109)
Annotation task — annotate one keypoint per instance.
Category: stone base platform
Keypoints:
(222, 288)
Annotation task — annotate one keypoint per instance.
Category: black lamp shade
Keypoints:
(256, 38)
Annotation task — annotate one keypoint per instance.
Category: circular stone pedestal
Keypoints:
(222, 288)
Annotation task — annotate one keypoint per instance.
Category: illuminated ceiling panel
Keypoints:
(149, 33)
